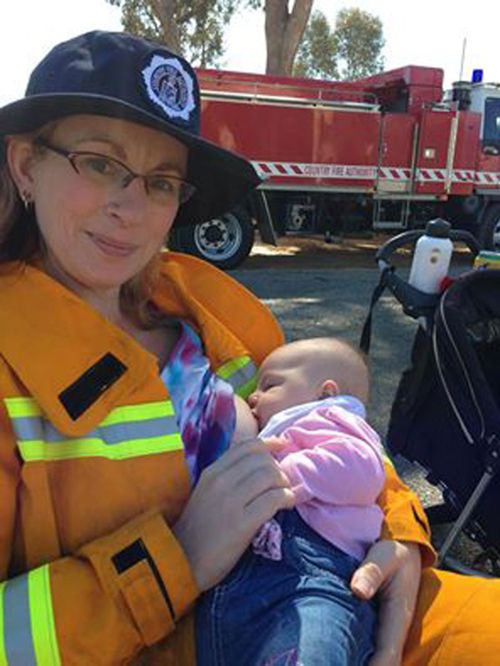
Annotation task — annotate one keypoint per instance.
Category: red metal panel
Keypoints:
(283, 86)
(466, 150)
(421, 85)
(487, 172)
(435, 135)
(396, 151)
(307, 146)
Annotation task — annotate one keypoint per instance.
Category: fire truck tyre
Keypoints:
(225, 241)
(489, 232)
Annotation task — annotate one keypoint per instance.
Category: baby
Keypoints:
(288, 600)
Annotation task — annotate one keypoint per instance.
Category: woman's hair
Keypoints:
(21, 240)
(19, 235)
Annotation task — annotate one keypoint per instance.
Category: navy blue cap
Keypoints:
(123, 76)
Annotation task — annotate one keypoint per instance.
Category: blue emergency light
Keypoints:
(477, 75)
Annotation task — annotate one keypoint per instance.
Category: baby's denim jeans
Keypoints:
(296, 611)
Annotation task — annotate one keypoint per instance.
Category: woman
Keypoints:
(103, 548)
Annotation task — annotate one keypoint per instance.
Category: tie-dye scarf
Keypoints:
(203, 403)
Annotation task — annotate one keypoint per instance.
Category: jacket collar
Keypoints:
(52, 339)
(231, 320)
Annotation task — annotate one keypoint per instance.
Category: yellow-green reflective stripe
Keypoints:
(17, 407)
(28, 635)
(42, 618)
(85, 448)
(127, 432)
(3, 656)
(232, 366)
(152, 410)
(245, 390)
(238, 372)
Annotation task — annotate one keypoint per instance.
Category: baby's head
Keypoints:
(305, 371)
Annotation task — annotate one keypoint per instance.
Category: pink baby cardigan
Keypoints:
(333, 459)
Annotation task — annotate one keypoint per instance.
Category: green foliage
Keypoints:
(317, 54)
(195, 28)
(138, 20)
(352, 50)
(360, 40)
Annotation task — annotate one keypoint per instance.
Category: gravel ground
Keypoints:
(316, 290)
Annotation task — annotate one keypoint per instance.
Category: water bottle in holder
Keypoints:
(431, 258)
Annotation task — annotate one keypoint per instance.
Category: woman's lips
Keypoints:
(112, 247)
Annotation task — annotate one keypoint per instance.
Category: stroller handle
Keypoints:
(415, 303)
(384, 253)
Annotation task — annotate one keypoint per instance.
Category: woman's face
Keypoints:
(98, 237)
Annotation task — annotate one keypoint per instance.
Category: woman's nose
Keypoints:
(130, 201)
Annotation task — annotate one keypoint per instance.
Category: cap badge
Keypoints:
(170, 86)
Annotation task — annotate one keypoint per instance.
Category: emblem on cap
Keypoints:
(170, 86)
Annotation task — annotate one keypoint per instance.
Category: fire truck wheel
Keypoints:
(225, 241)
(489, 233)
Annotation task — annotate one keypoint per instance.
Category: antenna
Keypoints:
(463, 59)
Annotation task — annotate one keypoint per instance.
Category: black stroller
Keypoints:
(446, 413)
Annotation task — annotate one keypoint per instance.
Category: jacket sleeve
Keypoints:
(102, 604)
(404, 517)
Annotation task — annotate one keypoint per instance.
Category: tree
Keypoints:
(317, 53)
(195, 28)
(359, 38)
(284, 30)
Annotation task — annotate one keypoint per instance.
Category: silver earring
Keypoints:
(27, 201)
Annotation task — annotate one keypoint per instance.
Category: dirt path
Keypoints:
(300, 252)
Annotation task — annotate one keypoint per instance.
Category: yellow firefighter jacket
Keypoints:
(92, 470)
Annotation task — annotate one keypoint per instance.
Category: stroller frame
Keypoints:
(492, 461)
(424, 307)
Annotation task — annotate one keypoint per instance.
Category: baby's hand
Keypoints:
(275, 445)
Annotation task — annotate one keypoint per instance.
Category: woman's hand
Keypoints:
(232, 499)
(393, 569)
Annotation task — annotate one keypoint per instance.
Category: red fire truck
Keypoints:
(390, 151)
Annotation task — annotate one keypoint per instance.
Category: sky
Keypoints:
(422, 32)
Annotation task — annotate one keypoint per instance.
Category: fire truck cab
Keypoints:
(485, 100)
(389, 151)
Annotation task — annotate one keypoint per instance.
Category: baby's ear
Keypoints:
(328, 389)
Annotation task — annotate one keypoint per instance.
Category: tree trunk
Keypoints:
(284, 31)
(165, 11)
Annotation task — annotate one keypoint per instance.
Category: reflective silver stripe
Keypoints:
(28, 633)
(241, 376)
(18, 638)
(37, 428)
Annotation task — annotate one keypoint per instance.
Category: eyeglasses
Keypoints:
(163, 189)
